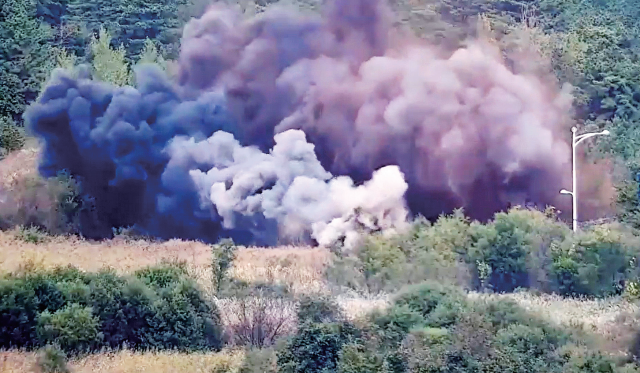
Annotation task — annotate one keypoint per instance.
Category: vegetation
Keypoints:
(448, 296)
(426, 326)
(157, 308)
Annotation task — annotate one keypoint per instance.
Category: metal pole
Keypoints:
(574, 190)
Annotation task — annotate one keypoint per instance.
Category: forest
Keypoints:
(150, 223)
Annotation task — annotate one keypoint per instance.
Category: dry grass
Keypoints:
(301, 270)
(130, 362)
(18, 166)
(613, 320)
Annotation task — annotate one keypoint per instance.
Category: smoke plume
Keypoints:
(289, 126)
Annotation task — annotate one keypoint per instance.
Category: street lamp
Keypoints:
(573, 193)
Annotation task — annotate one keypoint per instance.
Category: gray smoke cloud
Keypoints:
(287, 126)
(290, 186)
(465, 130)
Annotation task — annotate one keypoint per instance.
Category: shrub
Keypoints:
(356, 358)
(22, 299)
(525, 347)
(73, 327)
(223, 256)
(424, 298)
(393, 325)
(596, 262)
(582, 359)
(18, 312)
(258, 319)
(37, 307)
(382, 263)
(503, 245)
(434, 328)
(450, 235)
(12, 137)
(165, 274)
(49, 206)
(316, 347)
(259, 361)
(32, 235)
(318, 309)
(52, 360)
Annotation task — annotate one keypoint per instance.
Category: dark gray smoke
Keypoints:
(286, 127)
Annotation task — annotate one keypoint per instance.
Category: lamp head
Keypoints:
(564, 191)
(605, 132)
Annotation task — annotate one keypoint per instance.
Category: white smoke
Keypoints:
(290, 186)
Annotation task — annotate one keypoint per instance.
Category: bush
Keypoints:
(223, 256)
(315, 348)
(259, 361)
(52, 360)
(356, 358)
(12, 137)
(94, 310)
(40, 206)
(184, 320)
(520, 248)
(32, 235)
(514, 246)
(318, 309)
(426, 252)
(432, 328)
(73, 327)
(258, 319)
(165, 274)
(424, 298)
(597, 262)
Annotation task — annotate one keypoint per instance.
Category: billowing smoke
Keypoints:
(285, 127)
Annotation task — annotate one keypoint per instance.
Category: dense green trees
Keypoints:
(157, 308)
(34, 33)
(25, 55)
(130, 22)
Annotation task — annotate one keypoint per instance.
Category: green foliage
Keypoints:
(315, 348)
(318, 309)
(109, 65)
(151, 55)
(73, 327)
(87, 311)
(427, 252)
(167, 273)
(356, 358)
(520, 248)
(224, 254)
(25, 56)
(482, 336)
(32, 234)
(514, 246)
(12, 137)
(595, 263)
(52, 360)
(131, 22)
(424, 298)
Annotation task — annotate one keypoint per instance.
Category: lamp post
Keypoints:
(575, 140)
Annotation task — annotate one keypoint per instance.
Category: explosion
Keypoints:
(297, 127)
